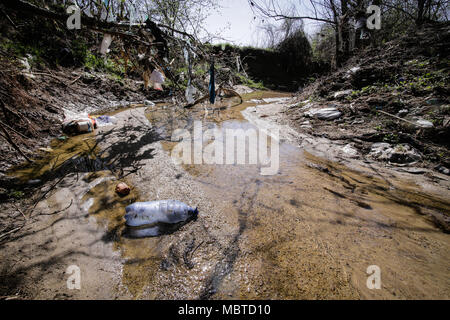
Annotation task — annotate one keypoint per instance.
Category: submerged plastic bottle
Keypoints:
(161, 211)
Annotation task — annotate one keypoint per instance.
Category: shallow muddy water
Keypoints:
(308, 231)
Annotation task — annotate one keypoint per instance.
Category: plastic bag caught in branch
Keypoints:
(106, 42)
(157, 79)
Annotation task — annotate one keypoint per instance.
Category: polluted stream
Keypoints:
(310, 230)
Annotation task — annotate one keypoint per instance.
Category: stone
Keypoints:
(305, 124)
(403, 112)
(341, 94)
(435, 101)
(329, 113)
(442, 170)
(401, 153)
(241, 89)
(25, 65)
(149, 103)
(414, 170)
(354, 69)
(275, 100)
(34, 182)
(349, 150)
(446, 122)
(376, 101)
(122, 189)
(425, 123)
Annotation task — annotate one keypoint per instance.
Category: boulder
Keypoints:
(401, 153)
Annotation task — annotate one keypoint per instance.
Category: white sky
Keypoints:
(235, 22)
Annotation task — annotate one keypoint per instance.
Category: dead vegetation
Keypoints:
(383, 92)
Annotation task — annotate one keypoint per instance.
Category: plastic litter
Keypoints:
(151, 218)
(105, 121)
(190, 93)
(78, 126)
(34, 182)
(78, 123)
(212, 85)
(157, 79)
(106, 42)
(149, 103)
(190, 90)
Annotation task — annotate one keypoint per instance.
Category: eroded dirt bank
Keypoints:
(308, 232)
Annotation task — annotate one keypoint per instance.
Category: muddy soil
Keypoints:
(308, 232)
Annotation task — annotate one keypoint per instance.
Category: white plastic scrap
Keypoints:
(106, 42)
(157, 79)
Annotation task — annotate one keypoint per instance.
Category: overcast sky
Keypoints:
(236, 23)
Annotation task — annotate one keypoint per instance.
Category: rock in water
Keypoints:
(151, 218)
(123, 189)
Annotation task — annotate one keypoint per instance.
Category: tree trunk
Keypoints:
(345, 29)
(420, 11)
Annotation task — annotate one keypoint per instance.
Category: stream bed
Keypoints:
(308, 231)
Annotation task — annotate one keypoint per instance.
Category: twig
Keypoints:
(8, 138)
(9, 19)
(18, 209)
(391, 115)
(192, 253)
(76, 79)
(45, 193)
(50, 75)
(20, 134)
(11, 231)
(58, 211)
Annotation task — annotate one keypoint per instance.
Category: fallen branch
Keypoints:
(18, 209)
(50, 75)
(11, 231)
(12, 129)
(76, 79)
(391, 115)
(43, 196)
(58, 211)
(11, 142)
